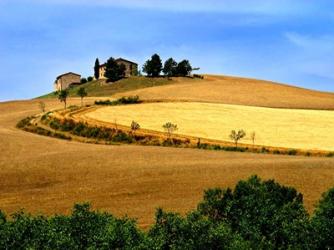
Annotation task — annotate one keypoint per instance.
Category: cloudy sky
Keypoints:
(290, 41)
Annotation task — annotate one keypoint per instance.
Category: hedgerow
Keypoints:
(120, 101)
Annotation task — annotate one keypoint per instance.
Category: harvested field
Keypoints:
(240, 91)
(48, 175)
(287, 128)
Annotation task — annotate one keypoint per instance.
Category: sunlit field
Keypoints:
(289, 128)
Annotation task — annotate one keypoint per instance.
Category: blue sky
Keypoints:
(290, 41)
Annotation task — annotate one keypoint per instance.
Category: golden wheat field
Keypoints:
(289, 128)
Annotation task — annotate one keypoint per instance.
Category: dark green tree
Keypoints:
(62, 96)
(114, 71)
(183, 68)
(83, 80)
(153, 67)
(323, 221)
(97, 69)
(82, 93)
(171, 231)
(170, 67)
(262, 212)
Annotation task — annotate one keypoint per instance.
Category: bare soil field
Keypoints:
(46, 175)
(241, 91)
(289, 128)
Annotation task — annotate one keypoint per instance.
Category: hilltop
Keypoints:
(239, 91)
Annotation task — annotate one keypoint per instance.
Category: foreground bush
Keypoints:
(323, 221)
(262, 212)
(255, 215)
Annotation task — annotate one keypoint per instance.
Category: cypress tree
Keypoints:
(97, 69)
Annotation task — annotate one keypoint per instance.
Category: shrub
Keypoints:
(323, 221)
(24, 122)
(198, 76)
(83, 80)
(90, 78)
(122, 100)
(292, 152)
(260, 210)
(331, 154)
(122, 137)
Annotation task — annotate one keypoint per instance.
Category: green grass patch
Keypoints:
(102, 88)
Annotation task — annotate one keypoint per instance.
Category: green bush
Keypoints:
(292, 152)
(120, 101)
(198, 76)
(260, 210)
(331, 154)
(323, 221)
(83, 80)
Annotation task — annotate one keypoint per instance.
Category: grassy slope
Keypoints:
(101, 88)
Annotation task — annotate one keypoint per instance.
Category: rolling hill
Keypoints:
(217, 89)
(239, 91)
(47, 175)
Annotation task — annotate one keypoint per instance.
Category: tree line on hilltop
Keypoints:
(152, 67)
(255, 215)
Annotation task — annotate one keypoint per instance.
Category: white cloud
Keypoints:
(314, 44)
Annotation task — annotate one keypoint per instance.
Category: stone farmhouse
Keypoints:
(65, 80)
(131, 68)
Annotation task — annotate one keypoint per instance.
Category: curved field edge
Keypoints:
(275, 128)
(95, 131)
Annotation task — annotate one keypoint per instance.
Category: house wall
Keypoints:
(65, 81)
(130, 69)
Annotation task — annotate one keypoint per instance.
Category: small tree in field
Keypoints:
(42, 106)
(237, 136)
(62, 96)
(82, 93)
(170, 128)
(253, 135)
(134, 127)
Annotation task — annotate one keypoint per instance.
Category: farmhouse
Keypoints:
(65, 80)
(131, 68)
